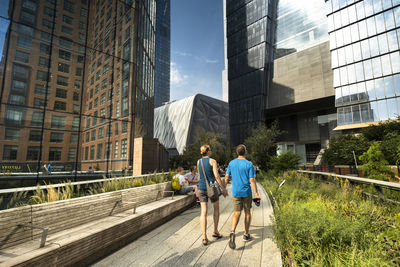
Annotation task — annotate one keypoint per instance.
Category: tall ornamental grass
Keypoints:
(331, 223)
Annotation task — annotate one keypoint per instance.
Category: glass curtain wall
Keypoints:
(73, 74)
(364, 40)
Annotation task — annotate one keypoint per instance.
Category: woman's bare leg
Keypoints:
(203, 219)
(216, 216)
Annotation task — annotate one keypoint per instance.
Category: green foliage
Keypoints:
(375, 165)
(261, 145)
(286, 161)
(390, 147)
(320, 223)
(221, 151)
(340, 151)
(380, 131)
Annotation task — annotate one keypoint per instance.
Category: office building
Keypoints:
(279, 69)
(163, 53)
(364, 43)
(75, 75)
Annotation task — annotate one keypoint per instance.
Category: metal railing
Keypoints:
(358, 180)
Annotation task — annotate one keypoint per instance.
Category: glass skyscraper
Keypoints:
(364, 42)
(163, 53)
(249, 36)
(74, 76)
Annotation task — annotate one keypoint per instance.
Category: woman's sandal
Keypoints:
(217, 236)
(205, 242)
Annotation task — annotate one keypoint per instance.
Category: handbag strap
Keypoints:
(204, 173)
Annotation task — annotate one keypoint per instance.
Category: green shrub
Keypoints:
(390, 146)
(340, 151)
(375, 165)
(286, 161)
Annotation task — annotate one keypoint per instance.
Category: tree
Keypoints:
(375, 165)
(261, 145)
(380, 131)
(340, 150)
(390, 146)
(286, 161)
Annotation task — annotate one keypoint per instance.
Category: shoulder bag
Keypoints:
(213, 189)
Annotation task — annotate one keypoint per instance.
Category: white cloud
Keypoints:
(177, 78)
(201, 59)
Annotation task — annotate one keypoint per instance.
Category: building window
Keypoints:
(33, 153)
(91, 152)
(116, 150)
(62, 80)
(101, 133)
(116, 128)
(108, 150)
(16, 99)
(45, 36)
(87, 138)
(56, 137)
(124, 148)
(60, 106)
(75, 124)
(69, 6)
(93, 135)
(81, 59)
(96, 102)
(72, 154)
(99, 153)
(109, 131)
(104, 84)
(39, 103)
(10, 152)
(124, 126)
(43, 62)
(95, 114)
(75, 109)
(75, 96)
(58, 122)
(11, 134)
(102, 115)
(50, 12)
(24, 42)
(86, 153)
(65, 43)
(61, 93)
(77, 84)
(103, 99)
(42, 76)
(48, 24)
(117, 109)
(73, 139)
(68, 20)
(66, 30)
(21, 56)
(45, 49)
(82, 26)
(63, 67)
(83, 12)
(37, 119)
(35, 136)
(55, 153)
(20, 72)
(64, 55)
(78, 72)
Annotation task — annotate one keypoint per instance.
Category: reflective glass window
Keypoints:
(369, 7)
(368, 69)
(343, 75)
(376, 67)
(361, 91)
(359, 71)
(362, 26)
(380, 23)
(356, 114)
(349, 54)
(389, 20)
(396, 12)
(360, 10)
(342, 56)
(395, 59)
(354, 32)
(383, 113)
(389, 86)
(365, 113)
(392, 108)
(379, 88)
(386, 66)
(396, 84)
(365, 49)
(392, 41)
(357, 51)
(383, 45)
(351, 73)
(371, 27)
(348, 116)
(370, 87)
(374, 115)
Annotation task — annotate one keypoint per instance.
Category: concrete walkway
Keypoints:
(178, 242)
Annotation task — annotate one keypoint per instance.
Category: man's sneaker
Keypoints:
(247, 237)
(232, 244)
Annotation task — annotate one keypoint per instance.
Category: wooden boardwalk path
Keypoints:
(178, 242)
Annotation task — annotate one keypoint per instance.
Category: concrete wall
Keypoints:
(302, 76)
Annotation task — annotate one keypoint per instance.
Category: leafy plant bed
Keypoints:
(331, 223)
(50, 193)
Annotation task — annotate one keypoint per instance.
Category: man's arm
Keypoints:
(226, 178)
(254, 186)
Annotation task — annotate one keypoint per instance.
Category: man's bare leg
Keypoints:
(247, 220)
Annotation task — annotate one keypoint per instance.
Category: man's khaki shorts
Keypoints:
(240, 203)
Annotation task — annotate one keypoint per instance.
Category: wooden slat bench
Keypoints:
(81, 230)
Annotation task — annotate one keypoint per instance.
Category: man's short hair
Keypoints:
(192, 168)
(179, 169)
(241, 150)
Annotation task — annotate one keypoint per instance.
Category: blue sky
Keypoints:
(197, 48)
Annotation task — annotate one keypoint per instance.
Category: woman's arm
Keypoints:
(217, 178)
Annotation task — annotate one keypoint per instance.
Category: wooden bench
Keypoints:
(82, 229)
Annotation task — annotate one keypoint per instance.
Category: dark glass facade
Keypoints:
(364, 39)
(163, 53)
(75, 74)
(250, 28)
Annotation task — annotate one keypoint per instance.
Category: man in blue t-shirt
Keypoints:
(243, 182)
